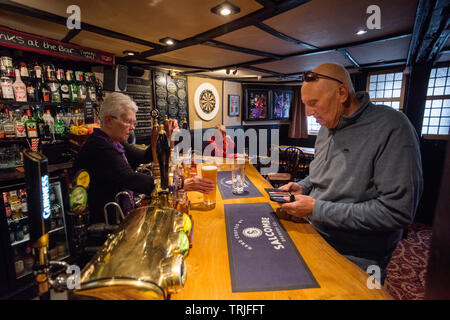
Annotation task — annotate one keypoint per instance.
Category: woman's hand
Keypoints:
(199, 184)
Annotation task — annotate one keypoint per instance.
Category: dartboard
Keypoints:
(207, 101)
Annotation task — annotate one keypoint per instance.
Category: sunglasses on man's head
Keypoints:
(310, 76)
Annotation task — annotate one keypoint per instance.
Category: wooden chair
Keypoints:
(288, 167)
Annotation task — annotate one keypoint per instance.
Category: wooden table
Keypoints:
(208, 272)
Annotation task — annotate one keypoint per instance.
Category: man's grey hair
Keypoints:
(114, 105)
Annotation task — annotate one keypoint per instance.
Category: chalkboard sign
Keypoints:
(28, 42)
(88, 110)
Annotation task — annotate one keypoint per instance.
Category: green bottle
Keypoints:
(60, 126)
(30, 125)
(39, 121)
(73, 88)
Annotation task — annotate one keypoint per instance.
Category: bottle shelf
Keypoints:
(26, 238)
(43, 104)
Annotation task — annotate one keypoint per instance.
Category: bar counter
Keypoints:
(208, 271)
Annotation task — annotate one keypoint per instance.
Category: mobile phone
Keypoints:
(279, 195)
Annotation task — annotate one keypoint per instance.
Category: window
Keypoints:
(313, 126)
(436, 118)
(387, 89)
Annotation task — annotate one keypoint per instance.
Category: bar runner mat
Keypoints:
(262, 256)
(226, 188)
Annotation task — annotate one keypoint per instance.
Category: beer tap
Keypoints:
(38, 201)
(163, 149)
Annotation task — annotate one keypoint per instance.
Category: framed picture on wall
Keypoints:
(257, 101)
(281, 104)
(234, 105)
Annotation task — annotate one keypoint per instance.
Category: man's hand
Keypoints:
(301, 207)
(199, 184)
(293, 188)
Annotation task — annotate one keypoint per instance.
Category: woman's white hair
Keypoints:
(115, 104)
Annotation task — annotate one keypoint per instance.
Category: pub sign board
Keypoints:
(28, 42)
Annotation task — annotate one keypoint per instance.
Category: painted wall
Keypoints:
(193, 84)
(231, 88)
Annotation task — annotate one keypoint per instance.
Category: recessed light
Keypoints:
(168, 41)
(225, 9)
(129, 53)
(361, 32)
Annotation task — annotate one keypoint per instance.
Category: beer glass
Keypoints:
(210, 172)
(238, 175)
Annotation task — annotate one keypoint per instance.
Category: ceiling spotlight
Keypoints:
(361, 32)
(168, 41)
(227, 71)
(225, 9)
(129, 53)
(235, 71)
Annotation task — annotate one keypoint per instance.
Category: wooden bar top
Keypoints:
(208, 271)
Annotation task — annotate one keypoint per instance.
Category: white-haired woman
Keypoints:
(111, 161)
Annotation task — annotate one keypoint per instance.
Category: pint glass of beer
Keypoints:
(210, 172)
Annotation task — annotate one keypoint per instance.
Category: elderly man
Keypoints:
(366, 179)
(111, 161)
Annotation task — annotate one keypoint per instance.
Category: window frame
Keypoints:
(401, 99)
(427, 136)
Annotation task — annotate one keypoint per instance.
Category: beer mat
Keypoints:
(262, 256)
(226, 189)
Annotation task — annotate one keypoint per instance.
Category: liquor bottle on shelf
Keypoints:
(37, 72)
(45, 92)
(65, 92)
(49, 71)
(6, 65)
(82, 90)
(7, 88)
(19, 88)
(24, 73)
(53, 85)
(60, 127)
(79, 118)
(31, 91)
(30, 125)
(8, 125)
(2, 129)
(38, 90)
(19, 124)
(39, 121)
(92, 91)
(73, 88)
(49, 124)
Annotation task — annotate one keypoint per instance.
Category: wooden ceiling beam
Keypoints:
(70, 35)
(431, 31)
(226, 46)
(348, 56)
(239, 23)
(264, 27)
